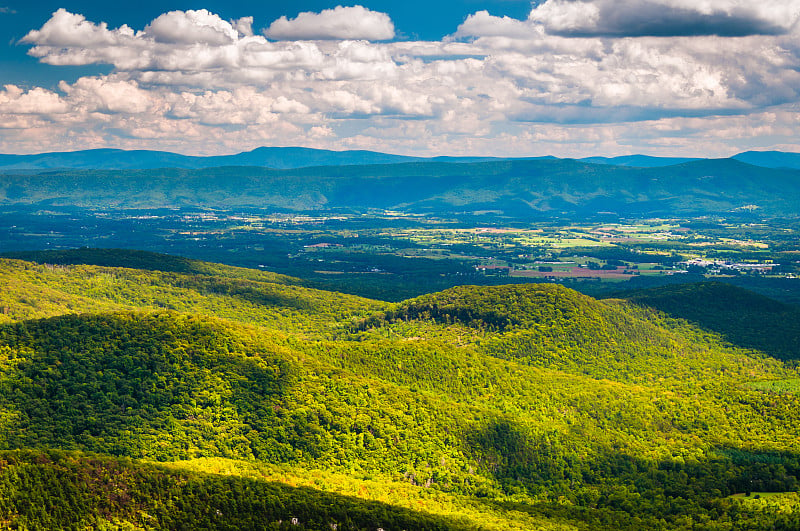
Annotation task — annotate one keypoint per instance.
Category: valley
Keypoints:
(428, 344)
(393, 255)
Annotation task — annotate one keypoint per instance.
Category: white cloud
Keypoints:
(65, 29)
(244, 26)
(321, 131)
(14, 100)
(482, 24)
(243, 106)
(497, 85)
(355, 22)
(191, 27)
(106, 95)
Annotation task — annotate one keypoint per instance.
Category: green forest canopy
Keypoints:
(498, 402)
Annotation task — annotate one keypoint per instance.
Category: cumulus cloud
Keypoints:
(666, 18)
(191, 27)
(559, 82)
(243, 106)
(7, 11)
(485, 25)
(244, 26)
(355, 22)
(107, 95)
(15, 100)
(69, 29)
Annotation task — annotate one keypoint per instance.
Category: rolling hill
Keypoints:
(185, 394)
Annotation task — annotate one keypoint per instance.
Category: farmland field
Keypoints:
(393, 255)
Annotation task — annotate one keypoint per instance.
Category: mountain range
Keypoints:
(513, 188)
(267, 157)
(298, 157)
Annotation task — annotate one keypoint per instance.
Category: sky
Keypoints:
(570, 78)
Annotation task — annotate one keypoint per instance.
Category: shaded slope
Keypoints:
(56, 490)
(159, 386)
(742, 317)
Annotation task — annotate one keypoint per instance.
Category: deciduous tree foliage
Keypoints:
(532, 401)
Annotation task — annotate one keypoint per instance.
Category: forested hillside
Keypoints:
(280, 302)
(187, 395)
(740, 316)
(520, 189)
(555, 327)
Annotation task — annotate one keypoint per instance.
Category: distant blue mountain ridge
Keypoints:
(268, 157)
(639, 161)
(299, 157)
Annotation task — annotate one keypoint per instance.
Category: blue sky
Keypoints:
(560, 77)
